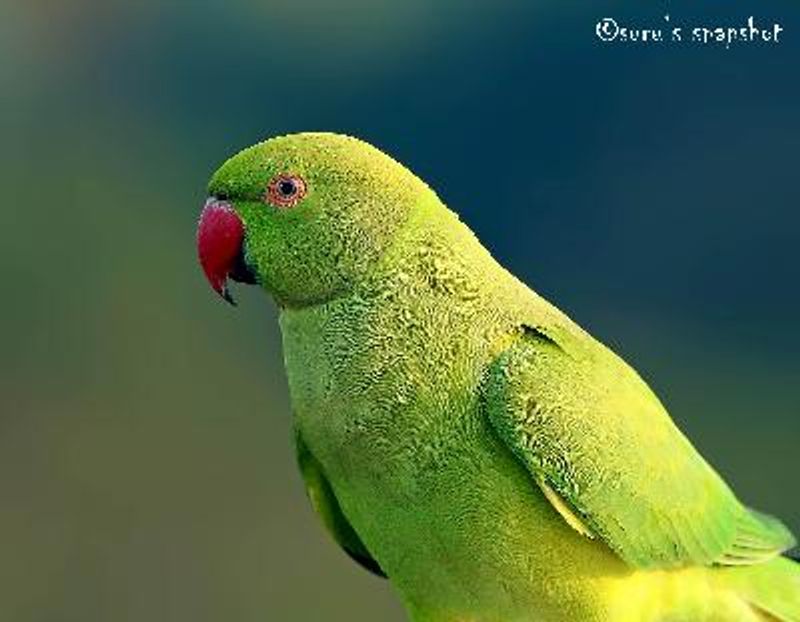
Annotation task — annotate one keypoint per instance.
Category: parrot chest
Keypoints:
(394, 418)
(369, 395)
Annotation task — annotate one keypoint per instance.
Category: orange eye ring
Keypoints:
(286, 190)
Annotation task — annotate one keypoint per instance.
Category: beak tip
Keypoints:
(226, 295)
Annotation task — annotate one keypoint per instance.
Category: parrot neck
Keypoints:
(433, 254)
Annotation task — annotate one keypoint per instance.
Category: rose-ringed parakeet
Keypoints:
(459, 434)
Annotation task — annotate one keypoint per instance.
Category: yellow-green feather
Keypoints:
(325, 504)
(578, 416)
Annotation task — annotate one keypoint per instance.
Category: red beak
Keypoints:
(220, 233)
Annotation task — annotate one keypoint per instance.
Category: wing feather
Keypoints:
(588, 428)
(324, 502)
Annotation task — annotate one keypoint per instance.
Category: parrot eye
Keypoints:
(286, 190)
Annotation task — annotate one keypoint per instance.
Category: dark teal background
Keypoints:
(145, 459)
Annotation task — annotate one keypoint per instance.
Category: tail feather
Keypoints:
(772, 588)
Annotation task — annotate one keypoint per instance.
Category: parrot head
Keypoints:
(306, 216)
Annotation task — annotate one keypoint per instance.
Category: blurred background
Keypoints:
(146, 467)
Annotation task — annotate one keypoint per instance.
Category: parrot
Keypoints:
(457, 433)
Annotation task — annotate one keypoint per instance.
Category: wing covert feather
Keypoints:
(584, 421)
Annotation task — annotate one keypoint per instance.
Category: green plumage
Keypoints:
(579, 417)
(465, 436)
(325, 504)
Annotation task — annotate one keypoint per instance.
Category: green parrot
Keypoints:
(459, 434)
